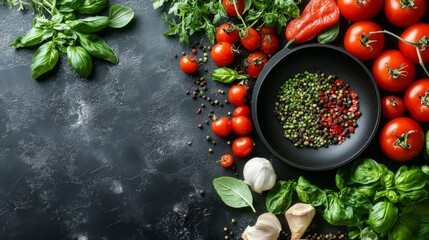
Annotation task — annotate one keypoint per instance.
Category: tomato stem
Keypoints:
(239, 15)
(402, 140)
(397, 72)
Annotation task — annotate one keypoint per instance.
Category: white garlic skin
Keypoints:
(299, 217)
(259, 174)
(267, 227)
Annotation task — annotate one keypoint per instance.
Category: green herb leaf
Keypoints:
(367, 171)
(413, 196)
(233, 192)
(89, 24)
(31, 38)
(336, 213)
(355, 199)
(422, 232)
(44, 60)
(69, 5)
(409, 180)
(92, 6)
(329, 35)
(382, 217)
(400, 232)
(120, 16)
(226, 75)
(80, 60)
(426, 152)
(368, 234)
(309, 193)
(97, 47)
(158, 3)
(279, 198)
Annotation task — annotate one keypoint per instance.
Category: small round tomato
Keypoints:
(357, 10)
(223, 54)
(417, 100)
(242, 110)
(264, 30)
(392, 107)
(227, 33)
(404, 13)
(358, 42)
(250, 39)
(255, 62)
(226, 160)
(230, 8)
(241, 125)
(188, 64)
(237, 95)
(221, 127)
(393, 71)
(269, 44)
(417, 34)
(242, 146)
(402, 139)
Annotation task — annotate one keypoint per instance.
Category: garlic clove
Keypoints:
(267, 227)
(299, 217)
(259, 174)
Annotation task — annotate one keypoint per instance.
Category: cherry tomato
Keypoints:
(241, 125)
(402, 139)
(357, 10)
(404, 13)
(223, 54)
(230, 9)
(226, 160)
(242, 146)
(269, 44)
(221, 127)
(417, 33)
(188, 64)
(392, 107)
(255, 63)
(250, 39)
(237, 95)
(393, 71)
(227, 33)
(358, 43)
(242, 110)
(417, 100)
(264, 30)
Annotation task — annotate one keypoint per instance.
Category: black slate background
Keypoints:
(107, 157)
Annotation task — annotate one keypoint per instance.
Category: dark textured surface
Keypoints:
(107, 157)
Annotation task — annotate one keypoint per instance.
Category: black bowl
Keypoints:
(329, 60)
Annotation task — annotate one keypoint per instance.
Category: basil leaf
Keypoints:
(92, 6)
(226, 75)
(425, 169)
(158, 3)
(355, 199)
(409, 180)
(329, 35)
(89, 24)
(382, 217)
(368, 234)
(309, 193)
(400, 232)
(413, 196)
(422, 232)
(80, 60)
(426, 152)
(367, 171)
(120, 16)
(33, 37)
(69, 5)
(387, 178)
(289, 7)
(279, 198)
(336, 213)
(233, 192)
(44, 60)
(97, 47)
(247, 5)
(368, 190)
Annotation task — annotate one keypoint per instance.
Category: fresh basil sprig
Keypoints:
(233, 192)
(226, 75)
(279, 198)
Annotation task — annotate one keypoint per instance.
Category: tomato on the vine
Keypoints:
(402, 139)
(393, 71)
(237, 95)
(417, 100)
(226, 160)
(417, 34)
(242, 110)
(230, 8)
(255, 63)
(223, 53)
(242, 146)
(221, 127)
(264, 30)
(188, 64)
(241, 125)
(269, 44)
(250, 39)
(404, 13)
(358, 42)
(357, 10)
(392, 107)
(227, 32)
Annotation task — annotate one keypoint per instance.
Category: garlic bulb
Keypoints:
(267, 227)
(299, 217)
(259, 174)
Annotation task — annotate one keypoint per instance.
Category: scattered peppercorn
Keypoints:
(200, 126)
(210, 150)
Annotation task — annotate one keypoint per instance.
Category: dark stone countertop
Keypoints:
(107, 157)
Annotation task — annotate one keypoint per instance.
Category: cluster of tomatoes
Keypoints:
(394, 70)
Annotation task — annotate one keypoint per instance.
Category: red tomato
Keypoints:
(241, 125)
(392, 107)
(393, 71)
(357, 42)
(357, 10)
(402, 139)
(264, 30)
(404, 13)
(227, 33)
(250, 39)
(419, 34)
(255, 63)
(223, 54)
(221, 127)
(226, 160)
(269, 44)
(242, 110)
(230, 8)
(188, 64)
(237, 95)
(242, 147)
(417, 99)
